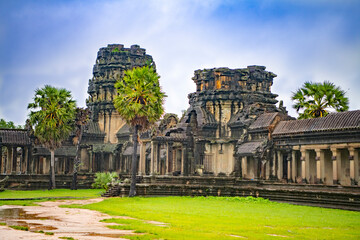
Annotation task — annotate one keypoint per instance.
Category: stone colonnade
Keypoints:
(14, 159)
(318, 164)
(173, 163)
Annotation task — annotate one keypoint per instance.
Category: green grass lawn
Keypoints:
(85, 193)
(227, 218)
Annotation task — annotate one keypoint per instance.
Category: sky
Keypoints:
(56, 43)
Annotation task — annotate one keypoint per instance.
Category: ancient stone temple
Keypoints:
(226, 102)
(233, 128)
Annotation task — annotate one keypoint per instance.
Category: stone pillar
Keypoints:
(294, 167)
(244, 167)
(183, 158)
(289, 160)
(280, 165)
(154, 157)
(168, 158)
(267, 169)
(310, 166)
(9, 160)
(142, 158)
(356, 166)
(326, 172)
(342, 166)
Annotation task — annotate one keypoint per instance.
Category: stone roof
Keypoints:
(93, 128)
(64, 151)
(249, 148)
(332, 122)
(130, 149)
(263, 121)
(14, 137)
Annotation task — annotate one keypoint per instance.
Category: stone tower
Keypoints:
(111, 63)
(226, 102)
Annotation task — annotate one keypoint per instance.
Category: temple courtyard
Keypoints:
(166, 218)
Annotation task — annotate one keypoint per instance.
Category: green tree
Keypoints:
(140, 103)
(52, 116)
(81, 119)
(9, 125)
(317, 99)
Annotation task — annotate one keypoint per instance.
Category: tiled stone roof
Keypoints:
(249, 148)
(263, 121)
(64, 151)
(14, 137)
(332, 122)
(93, 128)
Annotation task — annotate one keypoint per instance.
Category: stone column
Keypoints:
(342, 166)
(9, 160)
(310, 166)
(294, 169)
(154, 157)
(356, 166)
(326, 172)
(289, 160)
(267, 169)
(280, 165)
(183, 159)
(353, 160)
(142, 159)
(168, 158)
(244, 167)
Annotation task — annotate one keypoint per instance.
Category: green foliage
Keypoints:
(68, 238)
(115, 50)
(103, 179)
(140, 99)
(316, 99)
(49, 233)
(19, 227)
(9, 125)
(52, 115)
(2, 224)
(226, 218)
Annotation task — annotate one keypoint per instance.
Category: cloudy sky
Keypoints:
(56, 42)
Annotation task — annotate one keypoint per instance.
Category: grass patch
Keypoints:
(15, 194)
(19, 227)
(227, 218)
(68, 238)
(2, 224)
(49, 233)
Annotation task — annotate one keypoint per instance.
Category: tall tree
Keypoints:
(140, 103)
(81, 119)
(317, 99)
(52, 115)
(9, 125)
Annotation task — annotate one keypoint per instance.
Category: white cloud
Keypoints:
(183, 36)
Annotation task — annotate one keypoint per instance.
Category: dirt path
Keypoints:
(79, 224)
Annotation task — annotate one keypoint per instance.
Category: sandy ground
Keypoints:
(80, 224)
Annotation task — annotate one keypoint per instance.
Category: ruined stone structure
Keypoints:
(232, 128)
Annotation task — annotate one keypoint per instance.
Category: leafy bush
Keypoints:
(103, 179)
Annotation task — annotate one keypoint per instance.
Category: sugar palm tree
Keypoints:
(316, 99)
(52, 115)
(140, 103)
(81, 119)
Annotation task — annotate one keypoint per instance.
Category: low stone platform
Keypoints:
(41, 181)
(333, 196)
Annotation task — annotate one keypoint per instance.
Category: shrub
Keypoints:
(103, 179)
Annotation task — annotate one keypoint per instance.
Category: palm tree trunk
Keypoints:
(77, 160)
(132, 192)
(52, 169)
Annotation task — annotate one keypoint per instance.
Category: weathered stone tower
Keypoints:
(111, 63)
(226, 102)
